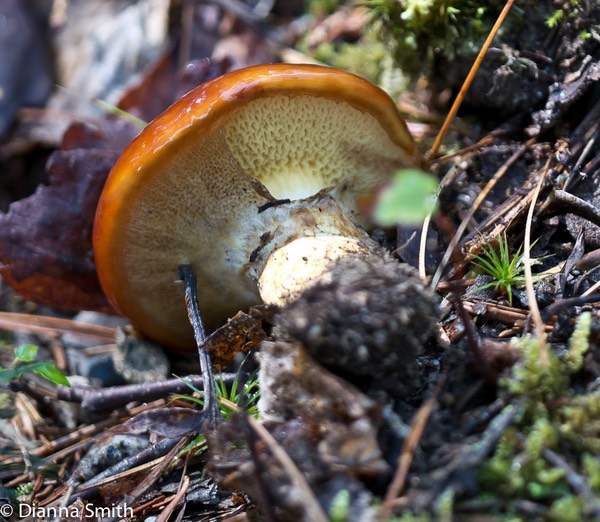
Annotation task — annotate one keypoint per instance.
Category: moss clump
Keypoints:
(320, 8)
(419, 31)
(367, 57)
(580, 422)
(566, 509)
(540, 376)
(579, 344)
(554, 419)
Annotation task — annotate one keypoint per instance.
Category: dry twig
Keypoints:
(411, 442)
(533, 306)
(467, 83)
(480, 198)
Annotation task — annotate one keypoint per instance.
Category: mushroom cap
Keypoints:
(188, 189)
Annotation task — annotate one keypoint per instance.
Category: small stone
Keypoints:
(138, 360)
(98, 368)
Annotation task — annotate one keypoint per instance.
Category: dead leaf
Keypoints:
(46, 239)
(165, 422)
(109, 133)
(242, 333)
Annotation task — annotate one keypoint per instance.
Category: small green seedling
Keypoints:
(507, 270)
(340, 506)
(243, 396)
(22, 364)
(408, 200)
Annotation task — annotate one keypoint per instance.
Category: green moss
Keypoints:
(580, 422)
(554, 418)
(542, 435)
(367, 57)
(445, 505)
(591, 466)
(539, 375)
(567, 10)
(555, 19)
(340, 506)
(420, 31)
(567, 509)
(578, 344)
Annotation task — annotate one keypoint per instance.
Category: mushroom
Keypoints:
(255, 180)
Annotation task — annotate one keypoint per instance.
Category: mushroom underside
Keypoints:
(207, 192)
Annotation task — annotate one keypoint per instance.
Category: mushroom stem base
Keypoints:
(293, 268)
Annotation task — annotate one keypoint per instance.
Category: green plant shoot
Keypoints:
(408, 200)
(23, 355)
(242, 393)
(507, 270)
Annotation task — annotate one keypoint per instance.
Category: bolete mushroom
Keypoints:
(254, 179)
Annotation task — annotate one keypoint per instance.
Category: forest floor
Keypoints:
(496, 417)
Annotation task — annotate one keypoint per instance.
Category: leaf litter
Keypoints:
(508, 422)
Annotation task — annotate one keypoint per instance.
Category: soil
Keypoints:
(491, 411)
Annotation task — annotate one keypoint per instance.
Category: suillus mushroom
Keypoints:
(254, 180)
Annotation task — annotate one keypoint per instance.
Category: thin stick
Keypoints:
(483, 142)
(423, 246)
(480, 198)
(411, 442)
(591, 290)
(467, 83)
(175, 500)
(448, 178)
(107, 399)
(39, 324)
(579, 483)
(130, 498)
(211, 408)
(311, 505)
(533, 306)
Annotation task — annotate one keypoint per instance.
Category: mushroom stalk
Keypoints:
(310, 238)
(297, 266)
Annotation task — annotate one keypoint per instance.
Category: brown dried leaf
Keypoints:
(154, 93)
(242, 333)
(164, 422)
(162, 84)
(111, 134)
(46, 239)
(113, 492)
